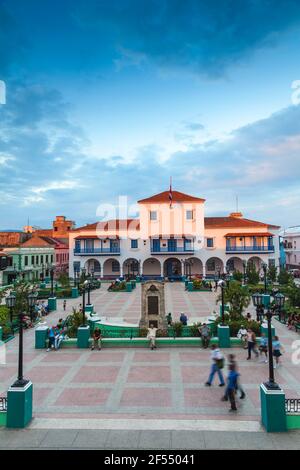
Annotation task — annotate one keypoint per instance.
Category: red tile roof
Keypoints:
(37, 241)
(118, 224)
(177, 197)
(250, 234)
(234, 222)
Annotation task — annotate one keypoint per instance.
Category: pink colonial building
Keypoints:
(171, 239)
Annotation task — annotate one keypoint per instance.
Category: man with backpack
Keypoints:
(217, 364)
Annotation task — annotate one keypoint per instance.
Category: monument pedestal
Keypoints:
(83, 337)
(41, 334)
(89, 308)
(224, 336)
(52, 304)
(75, 293)
(273, 414)
(153, 305)
(19, 406)
(128, 287)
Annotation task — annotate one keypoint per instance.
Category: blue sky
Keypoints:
(108, 98)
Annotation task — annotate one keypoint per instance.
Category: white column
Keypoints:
(203, 268)
(121, 269)
(161, 268)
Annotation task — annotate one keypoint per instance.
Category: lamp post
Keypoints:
(88, 286)
(279, 300)
(245, 271)
(85, 284)
(52, 279)
(222, 284)
(31, 303)
(11, 303)
(264, 267)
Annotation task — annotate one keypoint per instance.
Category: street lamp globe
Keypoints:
(10, 301)
(279, 300)
(257, 299)
(32, 297)
(221, 283)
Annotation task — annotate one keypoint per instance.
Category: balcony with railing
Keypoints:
(249, 243)
(250, 249)
(111, 250)
(172, 246)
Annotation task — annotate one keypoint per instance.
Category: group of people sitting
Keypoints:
(56, 334)
(41, 309)
(293, 322)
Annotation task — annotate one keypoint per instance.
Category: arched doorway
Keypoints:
(172, 269)
(131, 268)
(214, 267)
(234, 264)
(193, 267)
(93, 267)
(151, 269)
(256, 261)
(111, 269)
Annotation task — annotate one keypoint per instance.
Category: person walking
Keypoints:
(205, 335)
(232, 387)
(65, 305)
(277, 351)
(216, 366)
(251, 341)
(169, 319)
(232, 364)
(263, 348)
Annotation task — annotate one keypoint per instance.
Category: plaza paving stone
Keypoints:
(131, 383)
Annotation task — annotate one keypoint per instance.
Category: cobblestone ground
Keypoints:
(128, 384)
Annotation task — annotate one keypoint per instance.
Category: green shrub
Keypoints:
(194, 329)
(177, 328)
(237, 276)
(75, 320)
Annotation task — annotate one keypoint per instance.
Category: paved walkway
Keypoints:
(164, 440)
(147, 390)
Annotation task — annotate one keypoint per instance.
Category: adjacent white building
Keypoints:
(172, 238)
(291, 245)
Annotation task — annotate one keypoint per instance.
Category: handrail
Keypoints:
(3, 404)
(292, 405)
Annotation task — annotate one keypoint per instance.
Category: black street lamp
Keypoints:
(222, 284)
(264, 267)
(20, 382)
(32, 297)
(83, 301)
(52, 279)
(11, 303)
(88, 286)
(279, 300)
(245, 271)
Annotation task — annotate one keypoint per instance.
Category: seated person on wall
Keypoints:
(183, 319)
(242, 335)
(152, 336)
(96, 339)
(205, 335)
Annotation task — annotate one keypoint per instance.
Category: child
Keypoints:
(263, 348)
(96, 339)
(276, 350)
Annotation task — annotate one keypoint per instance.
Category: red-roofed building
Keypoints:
(171, 238)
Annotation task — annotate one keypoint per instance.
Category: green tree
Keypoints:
(272, 273)
(293, 294)
(237, 297)
(284, 277)
(252, 274)
(64, 280)
(237, 276)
